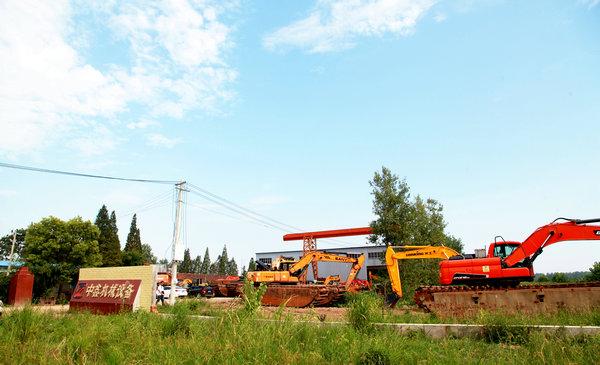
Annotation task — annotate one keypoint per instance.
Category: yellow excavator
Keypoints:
(412, 252)
(285, 270)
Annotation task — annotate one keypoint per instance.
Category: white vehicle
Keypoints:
(179, 291)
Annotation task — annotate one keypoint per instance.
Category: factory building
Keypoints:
(374, 261)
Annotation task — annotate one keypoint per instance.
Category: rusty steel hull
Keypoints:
(463, 301)
(300, 296)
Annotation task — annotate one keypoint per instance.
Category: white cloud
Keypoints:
(8, 193)
(590, 3)
(159, 140)
(335, 24)
(142, 124)
(439, 17)
(49, 92)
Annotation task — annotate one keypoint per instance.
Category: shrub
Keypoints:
(496, 329)
(364, 309)
(374, 357)
(252, 296)
(179, 322)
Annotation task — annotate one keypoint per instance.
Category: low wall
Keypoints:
(147, 275)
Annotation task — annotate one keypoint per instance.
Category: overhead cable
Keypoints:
(50, 171)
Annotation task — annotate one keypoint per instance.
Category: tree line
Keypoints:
(221, 266)
(54, 249)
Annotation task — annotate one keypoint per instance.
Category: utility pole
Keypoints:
(12, 251)
(180, 186)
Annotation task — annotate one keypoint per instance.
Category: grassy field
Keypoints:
(381, 313)
(27, 337)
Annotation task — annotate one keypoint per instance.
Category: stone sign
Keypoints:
(106, 296)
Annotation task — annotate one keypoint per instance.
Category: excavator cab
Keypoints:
(503, 249)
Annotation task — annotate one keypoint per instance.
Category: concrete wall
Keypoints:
(147, 274)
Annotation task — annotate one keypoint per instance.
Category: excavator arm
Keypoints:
(306, 260)
(354, 271)
(412, 252)
(572, 230)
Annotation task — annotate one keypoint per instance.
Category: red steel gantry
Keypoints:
(310, 240)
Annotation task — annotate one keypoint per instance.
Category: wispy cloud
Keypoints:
(159, 140)
(590, 3)
(49, 90)
(336, 24)
(142, 124)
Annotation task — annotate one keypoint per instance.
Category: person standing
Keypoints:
(160, 294)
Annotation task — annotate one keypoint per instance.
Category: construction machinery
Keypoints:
(411, 252)
(286, 283)
(470, 283)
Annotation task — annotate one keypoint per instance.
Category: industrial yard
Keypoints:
(366, 182)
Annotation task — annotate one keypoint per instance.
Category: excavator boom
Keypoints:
(572, 230)
(412, 252)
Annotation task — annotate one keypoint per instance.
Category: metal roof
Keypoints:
(336, 249)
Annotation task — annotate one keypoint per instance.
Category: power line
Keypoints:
(59, 172)
(240, 212)
(226, 201)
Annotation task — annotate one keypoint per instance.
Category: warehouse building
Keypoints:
(374, 261)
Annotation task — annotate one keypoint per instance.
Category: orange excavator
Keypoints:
(492, 281)
(286, 282)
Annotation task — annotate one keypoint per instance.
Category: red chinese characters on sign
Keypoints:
(105, 296)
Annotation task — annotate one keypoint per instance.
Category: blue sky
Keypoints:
(288, 108)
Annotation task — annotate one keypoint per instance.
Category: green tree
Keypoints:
(594, 274)
(132, 254)
(147, 255)
(223, 262)
(108, 241)
(55, 250)
(163, 261)
(6, 245)
(232, 268)
(214, 267)
(454, 243)
(186, 264)
(403, 220)
(205, 268)
(197, 265)
(559, 277)
(252, 265)
(244, 272)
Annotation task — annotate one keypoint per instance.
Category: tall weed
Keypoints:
(364, 309)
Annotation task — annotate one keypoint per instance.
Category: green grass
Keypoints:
(562, 318)
(27, 337)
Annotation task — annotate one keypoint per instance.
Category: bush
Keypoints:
(374, 357)
(179, 322)
(252, 296)
(497, 329)
(364, 309)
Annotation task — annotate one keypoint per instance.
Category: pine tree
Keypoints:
(197, 265)
(232, 268)
(108, 241)
(103, 224)
(223, 262)
(114, 248)
(186, 264)
(205, 267)
(214, 267)
(243, 274)
(252, 265)
(132, 254)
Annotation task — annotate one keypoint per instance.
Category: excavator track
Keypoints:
(462, 301)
